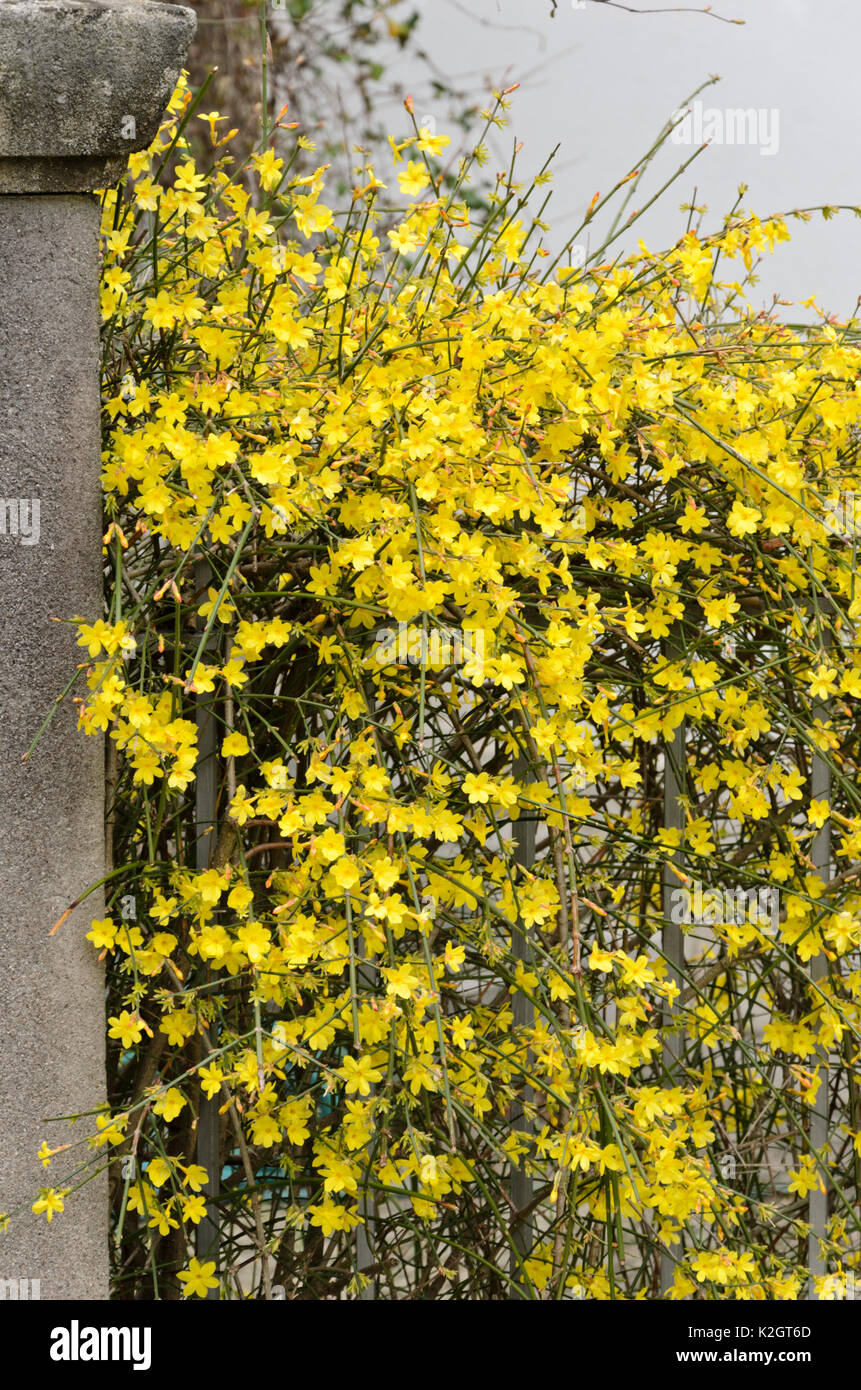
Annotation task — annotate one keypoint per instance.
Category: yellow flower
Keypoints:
(111, 1129)
(818, 813)
(103, 934)
(158, 1172)
(194, 1209)
(127, 1027)
(404, 239)
(196, 1177)
(311, 216)
(331, 1217)
(359, 1074)
(179, 1025)
(164, 942)
(265, 1131)
(431, 144)
(742, 520)
(170, 1104)
(600, 960)
(162, 311)
(345, 873)
(49, 1201)
(804, 1179)
(188, 178)
(822, 682)
(254, 939)
(211, 1077)
(268, 169)
(414, 178)
(479, 788)
(198, 1278)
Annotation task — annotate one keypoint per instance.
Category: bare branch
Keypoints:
(666, 9)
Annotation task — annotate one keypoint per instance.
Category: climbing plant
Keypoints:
(445, 538)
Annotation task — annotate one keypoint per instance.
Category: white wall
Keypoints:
(602, 82)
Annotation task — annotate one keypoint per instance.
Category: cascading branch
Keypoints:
(620, 488)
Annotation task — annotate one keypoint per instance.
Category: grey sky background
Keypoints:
(602, 82)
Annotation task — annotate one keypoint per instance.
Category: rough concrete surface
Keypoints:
(52, 996)
(83, 83)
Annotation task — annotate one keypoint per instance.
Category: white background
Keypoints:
(602, 82)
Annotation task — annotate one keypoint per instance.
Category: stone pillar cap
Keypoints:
(83, 83)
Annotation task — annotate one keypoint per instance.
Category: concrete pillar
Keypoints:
(82, 84)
